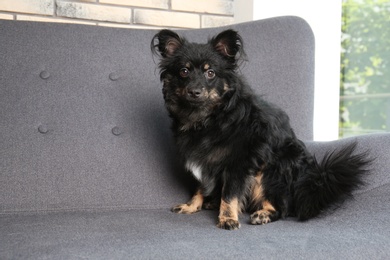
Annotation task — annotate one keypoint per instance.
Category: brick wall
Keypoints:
(123, 13)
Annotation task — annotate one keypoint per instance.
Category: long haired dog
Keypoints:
(240, 148)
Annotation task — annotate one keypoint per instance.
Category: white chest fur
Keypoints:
(195, 169)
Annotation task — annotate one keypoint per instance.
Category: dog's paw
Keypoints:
(260, 217)
(185, 209)
(228, 224)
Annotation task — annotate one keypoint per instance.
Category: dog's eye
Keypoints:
(184, 72)
(210, 74)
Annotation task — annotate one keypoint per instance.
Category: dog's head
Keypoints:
(196, 77)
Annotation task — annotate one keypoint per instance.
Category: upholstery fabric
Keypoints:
(88, 169)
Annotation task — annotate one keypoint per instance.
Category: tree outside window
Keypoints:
(365, 67)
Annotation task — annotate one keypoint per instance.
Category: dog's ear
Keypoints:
(229, 44)
(166, 42)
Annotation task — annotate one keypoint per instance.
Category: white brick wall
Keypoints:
(94, 12)
(123, 13)
(42, 7)
(166, 18)
(161, 4)
(204, 6)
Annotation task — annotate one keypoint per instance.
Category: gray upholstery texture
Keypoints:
(89, 170)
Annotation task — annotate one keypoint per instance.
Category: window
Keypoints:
(365, 67)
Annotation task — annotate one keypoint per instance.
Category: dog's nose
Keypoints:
(194, 93)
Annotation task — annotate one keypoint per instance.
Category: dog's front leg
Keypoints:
(194, 205)
(228, 214)
(232, 193)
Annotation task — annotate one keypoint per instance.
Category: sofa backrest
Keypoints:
(82, 120)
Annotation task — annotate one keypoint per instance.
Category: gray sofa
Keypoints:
(88, 168)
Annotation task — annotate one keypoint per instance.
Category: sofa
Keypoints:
(89, 169)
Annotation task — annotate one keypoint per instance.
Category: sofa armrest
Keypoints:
(378, 148)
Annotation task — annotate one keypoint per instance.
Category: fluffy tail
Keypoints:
(326, 183)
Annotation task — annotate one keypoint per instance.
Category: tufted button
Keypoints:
(116, 131)
(42, 129)
(44, 74)
(113, 76)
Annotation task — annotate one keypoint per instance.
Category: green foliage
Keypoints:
(365, 66)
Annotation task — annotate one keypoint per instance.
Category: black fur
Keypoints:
(240, 147)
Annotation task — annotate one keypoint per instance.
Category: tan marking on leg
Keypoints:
(257, 191)
(263, 216)
(194, 205)
(228, 214)
(268, 206)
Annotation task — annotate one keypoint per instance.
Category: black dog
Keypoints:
(240, 148)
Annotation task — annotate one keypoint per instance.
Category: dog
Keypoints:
(241, 148)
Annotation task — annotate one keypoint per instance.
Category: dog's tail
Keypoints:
(330, 181)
